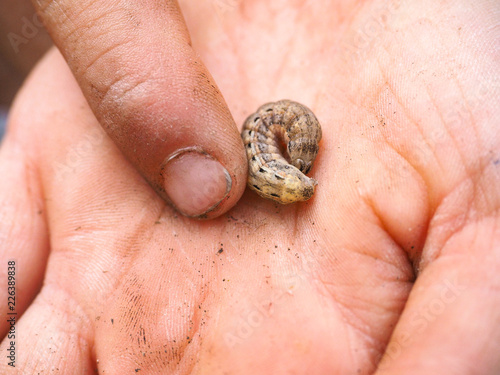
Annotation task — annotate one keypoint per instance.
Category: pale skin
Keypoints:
(393, 267)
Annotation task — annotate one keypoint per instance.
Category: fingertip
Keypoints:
(154, 97)
(196, 183)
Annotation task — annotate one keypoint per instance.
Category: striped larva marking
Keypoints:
(273, 175)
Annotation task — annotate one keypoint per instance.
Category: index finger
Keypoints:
(154, 97)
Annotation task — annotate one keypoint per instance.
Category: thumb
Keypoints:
(154, 97)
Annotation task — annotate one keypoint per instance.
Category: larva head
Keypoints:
(281, 182)
(300, 189)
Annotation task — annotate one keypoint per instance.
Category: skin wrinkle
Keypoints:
(114, 98)
(353, 310)
(180, 345)
(70, 309)
(422, 133)
(94, 23)
(435, 250)
(383, 227)
(85, 9)
(363, 305)
(44, 5)
(194, 329)
(471, 120)
(128, 249)
(51, 20)
(443, 122)
(372, 257)
(357, 324)
(459, 232)
(362, 328)
(370, 201)
(494, 203)
(67, 33)
(110, 50)
(414, 167)
(478, 186)
(372, 253)
(468, 221)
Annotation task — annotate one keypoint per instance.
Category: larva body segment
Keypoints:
(270, 174)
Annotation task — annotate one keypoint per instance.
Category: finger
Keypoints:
(24, 242)
(451, 321)
(64, 343)
(154, 97)
(62, 145)
(62, 346)
(92, 199)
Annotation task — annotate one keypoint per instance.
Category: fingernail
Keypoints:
(195, 182)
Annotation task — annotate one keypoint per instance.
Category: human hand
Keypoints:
(396, 256)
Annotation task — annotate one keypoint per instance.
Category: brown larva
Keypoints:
(271, 174)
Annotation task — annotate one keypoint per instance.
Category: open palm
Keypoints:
(392, 267)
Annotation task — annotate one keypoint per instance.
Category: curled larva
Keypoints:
(273, 175)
